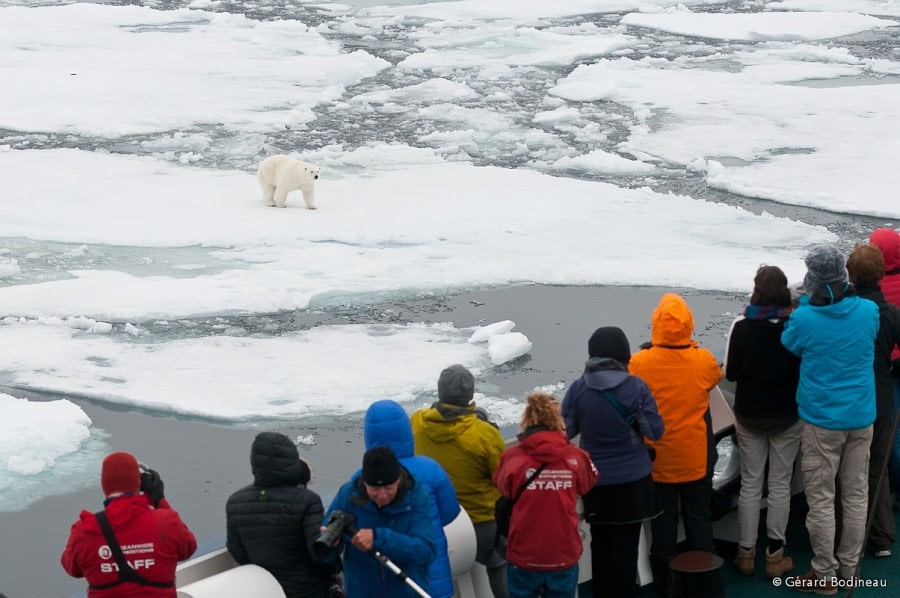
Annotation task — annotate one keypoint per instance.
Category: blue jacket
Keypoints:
(386, 424)
(836, 347)
(618, 453)
(402, 534)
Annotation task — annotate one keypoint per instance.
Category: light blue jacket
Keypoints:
(836, 347)
(386, 424)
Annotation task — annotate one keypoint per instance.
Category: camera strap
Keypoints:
(126, 573)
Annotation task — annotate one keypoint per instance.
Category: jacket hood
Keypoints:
(839, 310)
(386, 424)
(276, 462)
(119, 511)
(544, 445)
(444, 425)
(888, 241)
(604, 379)
(672, 322)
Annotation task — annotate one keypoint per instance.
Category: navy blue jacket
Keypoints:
(617, 452)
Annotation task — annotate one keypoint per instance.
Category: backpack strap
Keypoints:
(528, 480)
(628, 418)
(126, 573)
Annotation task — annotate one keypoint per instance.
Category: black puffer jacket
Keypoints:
(274, 521)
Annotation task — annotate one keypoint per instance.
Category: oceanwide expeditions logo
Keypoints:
(550, 479)
(105, 553)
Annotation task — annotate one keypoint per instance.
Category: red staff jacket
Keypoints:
(152, 540)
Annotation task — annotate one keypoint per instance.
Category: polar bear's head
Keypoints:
(309, 172)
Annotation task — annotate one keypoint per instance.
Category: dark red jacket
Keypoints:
(888, 241)
(152, 540)
(543, 530)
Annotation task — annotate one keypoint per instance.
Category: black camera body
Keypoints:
(340, 522)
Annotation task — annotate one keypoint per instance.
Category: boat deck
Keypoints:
(882, 570)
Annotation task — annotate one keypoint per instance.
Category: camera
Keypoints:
(151, 484)
(340, 522)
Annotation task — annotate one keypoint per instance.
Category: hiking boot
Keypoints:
(744, 561)
(777, 564)
(811, 584)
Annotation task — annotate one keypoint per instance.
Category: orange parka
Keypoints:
(680, 375)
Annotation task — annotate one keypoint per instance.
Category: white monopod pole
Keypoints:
(399, 573)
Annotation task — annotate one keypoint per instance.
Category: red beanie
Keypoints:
(120, 473)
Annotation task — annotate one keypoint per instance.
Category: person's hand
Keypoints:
(152, 485)
(364, 540)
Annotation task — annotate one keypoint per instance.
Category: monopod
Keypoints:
(399, 573)
(352, 529)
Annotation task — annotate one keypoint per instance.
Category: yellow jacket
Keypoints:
(467, 448)
(680, 375)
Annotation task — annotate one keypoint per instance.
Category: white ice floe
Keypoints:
(127, 69)
(508, 346)
(463, 10)
(602, 162)
(9, 267)
(45, 447)
(484, 333)
(762, 26)
(787, 142)
(887, 8)
(323, 371)
(451, 226)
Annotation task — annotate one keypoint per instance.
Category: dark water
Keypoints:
(202, 463)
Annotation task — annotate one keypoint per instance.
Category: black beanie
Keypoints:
(610, 341)
(380, 467)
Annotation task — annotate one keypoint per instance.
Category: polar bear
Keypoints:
(279, 175)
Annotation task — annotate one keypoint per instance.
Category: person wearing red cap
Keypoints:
(148, 535)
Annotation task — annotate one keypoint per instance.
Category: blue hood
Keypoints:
(386, 424)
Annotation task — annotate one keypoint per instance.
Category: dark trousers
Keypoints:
(614, 559)
(882, 534)
(695, 514)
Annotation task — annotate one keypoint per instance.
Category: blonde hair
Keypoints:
(542, 410)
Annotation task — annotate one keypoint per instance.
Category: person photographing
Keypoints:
(392, 516)
(132, 546)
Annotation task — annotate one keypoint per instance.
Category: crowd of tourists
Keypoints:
(815, 366)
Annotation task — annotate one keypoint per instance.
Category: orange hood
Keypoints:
(672, 322)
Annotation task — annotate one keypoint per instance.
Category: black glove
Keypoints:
(152, 485)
